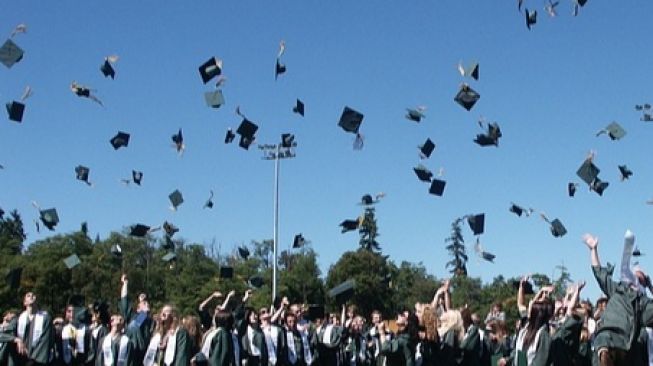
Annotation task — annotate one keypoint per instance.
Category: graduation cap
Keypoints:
(437, 187)
(299, 108)
(72, 261)
(178, 140)
(518, 210)
(209, 202)
(210, 69)
(636, 252)
(556, 226)
(298, 241)
(169, 257)
(491, 137)
(168, 244)
(243, 252)
(116, 250)
(229, 136)
(472, 71)
(467, 97)
(625, 172)
(15, 111)
(476, 223)
(531, 18)
(82, 173)
(367, 200)
(107, 68)
(599, 186)
(50, 218)
(255, 282)
(214, 99)
(571, 189)
(120, 140)
(176, 199)
(137, 177)
(415, 114)
(170, 229)
(426, 149)
(488, 256)
(646, 117)
(349, 225)
(343, 292)
(550, 8)
(350, 120)
(528, 287)
(287, 140)
(139, 230)
(614, 131)
(588, 172)
(578, 4)
(247, 129)
(226, 272)
(13, 277)
(315, 312)
(10, 53)
(423, 173)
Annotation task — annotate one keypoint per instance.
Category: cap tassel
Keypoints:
(282, 48)
(20, 28)
(27, 93)
(358, 142)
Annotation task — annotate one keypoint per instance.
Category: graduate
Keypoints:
(75, 337)
(35, 330)
(98, 329)
(254, 345)
(170, 345)
(293, 353)
(374, 340)
(356, 353)
(401, 350)
(115, 347)
(139, 323)
(274, 337)
(470, 346)
(307, 332)
(426, 350)
(217, 343)
(329, 341)
(10, 345)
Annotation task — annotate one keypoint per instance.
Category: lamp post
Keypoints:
(276, 152)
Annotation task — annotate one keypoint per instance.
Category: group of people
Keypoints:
(551, 331)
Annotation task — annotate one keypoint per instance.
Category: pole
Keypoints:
(276, 223)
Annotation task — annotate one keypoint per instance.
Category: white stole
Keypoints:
(69, 332)
(649, 345)
(208, 339)
(292, 352)
(361, 351)
(532, 349)
(308, 356)
(169, 356)
(37, 326)
(250, 338)
(152, 348)
(418, 354)
(326, 337)
(107, 350)
(271, 334)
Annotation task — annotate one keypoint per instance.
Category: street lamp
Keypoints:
(276, 152)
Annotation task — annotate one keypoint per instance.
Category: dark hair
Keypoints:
(466, 314)
(539, 316)
(223, 319)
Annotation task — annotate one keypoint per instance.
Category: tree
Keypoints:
(562, 281)
(368, 230)
(411, 284)
(299, 278)
(12, 233)
(456, 248)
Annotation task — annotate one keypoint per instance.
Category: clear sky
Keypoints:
(550, 89)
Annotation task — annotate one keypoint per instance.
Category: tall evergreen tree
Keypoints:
(368, 230)
(456, 248)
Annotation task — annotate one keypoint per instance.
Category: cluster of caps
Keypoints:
(550, 8)
(227, 272)
(645, 108)
(366, 200)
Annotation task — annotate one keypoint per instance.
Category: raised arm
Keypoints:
(521, 297)
(573, 299)
(447, 296)
(227, 299)
(214, 295)
(278, 313)
(125, 309)
(592, 243)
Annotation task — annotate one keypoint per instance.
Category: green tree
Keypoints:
(456, 248)
(368, 230)
(12, 234)
(411, 284)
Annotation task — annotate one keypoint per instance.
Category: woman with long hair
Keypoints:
(170, 345)
(451, 335)
(193, 326)
(217, 343)
(429, 342)
(534, 341)
(401, 350)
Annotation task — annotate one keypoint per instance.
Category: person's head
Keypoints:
(333, 319)
(168, 317)
(352, 311)
(357, 324)
(296, 309)
(376, 317)
(29, 299)
(401, 323)
(451, 320)
(264, 315)
(429, 322)
(541, 312)
(69, 314)
(193, 326)
(117, 323)
(476, 320)
(466, 315)
(58, 325)
(252, 317)
(291, 320)
(497, 307)
(143, 304)
(8, 316)
(223, 319)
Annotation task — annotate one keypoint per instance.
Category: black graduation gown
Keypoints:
(329, 352)
(259, 342)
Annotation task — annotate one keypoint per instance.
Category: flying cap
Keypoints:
(349, 225)
(423, 173)
(625, 172)
(15, 110)
(614, 131)
(426, 149)
(209, 202)
(588, 172)
(139, 230)
(491, 137)
(72, 261)
(279, 69)
(226, 272)
(437, 187)
(531, 18)
(298, 241)
(571, 189)
(229, 136)
(467, 97)
(82, 173)
(288, 140)
(246, 130)
(137, 177)
(243, 252)
(256, 282)
(121, 139)
(214, 99)
(415, 114)
(518, 210)
(210, 69)
(299, 108)
(476, 223)
(178, 139)
(107, 69)
(170, 229)
(10, 53)
(50, 218)
(176, 199)
(343, 292)
(350, 120)
(599, 186)
(557, 228)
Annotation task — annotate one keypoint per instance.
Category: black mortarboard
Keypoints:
(571, 189)
(491, 137)
(210, 69)
(15, 111)
(50, 218)
(636, 252)
(299, 108)
(226, 272)
(474, 71)
(82, 173)
(415, 115)
(517, 210)
(343, 292)
(557, 228)
(349, 225)
(214, 99)
(350, 120)
(243, 252)
(120, 140)
(247, 129)
(588, 172)
(13, 277)
(170, 229)
(625, 172)
(139, 230)
(488, 256)
(299, 241)
(423, 173)
(279, 69)
(72, 261)
(169, 257)
(137, 177)
(116, 250)
(647, 117)
(256, 282)
(10, 53)
(531, 18)
(367, 200)
(599, 186)
(229, 136)
(107, 69)
(467, 97)
(426, 149)
(209, 202)
(614, 131)
(476, 223)
(178, 139)
(176, 199)
(528, 287)
(315, 312)
(287, 140)
(437, 187)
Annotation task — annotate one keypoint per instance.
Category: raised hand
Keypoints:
(591, 241)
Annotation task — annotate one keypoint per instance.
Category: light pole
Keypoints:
(276, 152)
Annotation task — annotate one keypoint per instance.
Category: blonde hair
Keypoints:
(451, 320)
(429, 321)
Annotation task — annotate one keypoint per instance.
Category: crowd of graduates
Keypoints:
(225, 330)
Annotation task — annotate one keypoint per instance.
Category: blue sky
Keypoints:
(550, 89)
